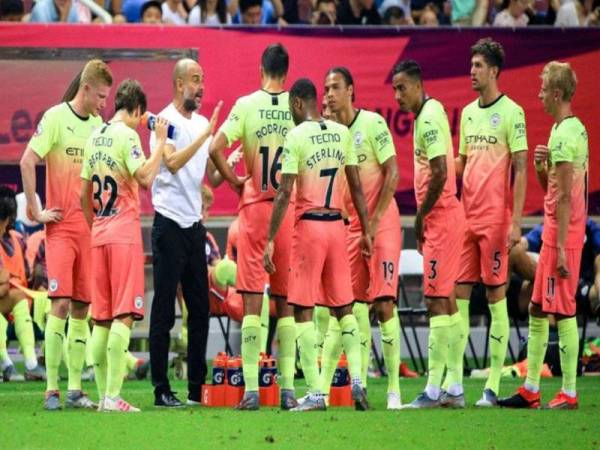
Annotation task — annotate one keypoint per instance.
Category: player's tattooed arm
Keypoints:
(358, 199)
(217, 156)
(390, 182)
(280, 206)
(214, 176)
(439, 174)
(519, 163)
(86, 201)
(564, 183)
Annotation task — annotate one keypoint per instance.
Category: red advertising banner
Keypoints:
(36, 67)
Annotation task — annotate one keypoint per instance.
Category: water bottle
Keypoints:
(235, 374)
(219, 364)
(268, 371)
(149, 120)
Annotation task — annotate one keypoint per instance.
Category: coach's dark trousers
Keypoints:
(178, 254)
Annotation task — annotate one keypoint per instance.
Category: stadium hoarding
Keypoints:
(37, 62)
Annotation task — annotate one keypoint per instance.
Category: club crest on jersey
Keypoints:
(495, 120)
(53, 285)
(138, 302)
(38, 130)
(358, 138)
(136, 152)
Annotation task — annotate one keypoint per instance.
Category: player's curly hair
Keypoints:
(560, 76)
(492, 52)
(304, 89)
(129, 96)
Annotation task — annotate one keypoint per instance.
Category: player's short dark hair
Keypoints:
(345, 74)
(245, 5)
(410, 67)
(8, 203)
(492, 52)
(129, 96)
(304, 89)
(275, 61)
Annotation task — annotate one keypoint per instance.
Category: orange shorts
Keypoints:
(117, 281)
(376, 277)
(319, 257)
(68, 261)
(556, 295)
(485, 254)
(252, 240)
(444, 233)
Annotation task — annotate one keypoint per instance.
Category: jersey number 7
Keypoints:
(328, 173)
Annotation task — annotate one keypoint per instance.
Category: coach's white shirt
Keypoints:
(178, 196)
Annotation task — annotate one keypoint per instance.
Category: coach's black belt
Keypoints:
(322, 216)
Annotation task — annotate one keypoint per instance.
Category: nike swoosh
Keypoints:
(80, 341)
(389, 341)
(351, 333)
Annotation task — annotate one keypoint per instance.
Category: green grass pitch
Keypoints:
(24, 424)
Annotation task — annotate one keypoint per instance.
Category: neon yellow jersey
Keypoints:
(260, 121)
(568, 143)
(59, 139)
(317, 152)
(431, 139)
(373, 145)
(112, 156)
(488, 137)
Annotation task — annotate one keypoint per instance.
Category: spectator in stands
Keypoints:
(469, 12)
(56, 11)
(324, 13)
(404, 5)
(260, 12)
(394, 15)
(174, 13)
(210, 12)
(429, 16)
(358, 12)
(151, 12)
(513, 15)
(11, 10)
(570, 14)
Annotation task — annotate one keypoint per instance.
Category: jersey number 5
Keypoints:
(269, 175)
(99, 187)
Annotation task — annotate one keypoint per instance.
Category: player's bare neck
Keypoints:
(489, 96)
(78, 107)
(273, 86)
(347, 115)
(563, 111)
